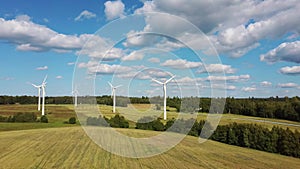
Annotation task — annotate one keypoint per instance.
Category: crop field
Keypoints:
(57, 114)
(71, 148)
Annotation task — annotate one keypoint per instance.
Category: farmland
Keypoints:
(71, 148)
(58, 114)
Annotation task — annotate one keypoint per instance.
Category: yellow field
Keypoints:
(71, 148)
(57, 114)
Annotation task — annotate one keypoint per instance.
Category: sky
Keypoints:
(242, 48)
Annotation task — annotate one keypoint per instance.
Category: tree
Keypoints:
(44, 119)
(72, 120)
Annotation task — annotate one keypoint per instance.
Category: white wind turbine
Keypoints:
(113, 95)
(75, 93)
(165, 94)
(39, 95)
(42, 86)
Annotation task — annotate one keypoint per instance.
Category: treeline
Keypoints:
(273, 107)
(276, 140)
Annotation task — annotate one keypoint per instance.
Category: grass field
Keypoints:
(57, 114)
(71, 148)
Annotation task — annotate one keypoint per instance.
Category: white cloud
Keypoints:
(100, 48)
(7, 78)
(181, 64)
(85, 15)
(249, 89)
(59, 77)
(287, 51)
(144, 73)
(229, 78)
(294, 70)
(94, 68)
(265, 83)
(135, 55)
(29, 36)
(154, 60)
(114, 9)
(70, 63)
(217, 68)
(42, 68)
(287, 85)
(228, 23)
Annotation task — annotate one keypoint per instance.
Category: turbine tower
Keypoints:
(113, 95)
(75, 93)
(43, 94)
(165, 94)
(41, 88)
(39, 95)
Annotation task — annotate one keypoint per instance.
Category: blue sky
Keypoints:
(257, 42)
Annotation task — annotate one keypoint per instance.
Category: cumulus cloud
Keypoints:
(154, 60)
(42, 68)
(133, 56)
(114, 9)
(249, 89)
(287, 85)
(265, 83)
(102, 49)
(29, 36)
(217, 68)
(294, 70)
(229, 78)
(94, 68)
(145, 73)
(7, 78)
(181, 64)
(85, 15)
(234, 28)
(70, 63)
(287, 51)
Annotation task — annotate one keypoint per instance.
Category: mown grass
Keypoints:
(71, 148)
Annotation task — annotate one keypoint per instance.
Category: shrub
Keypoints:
(72, 120)
(44, 119)
(94, 121)
(150, 123)
(118, 121)
(23, 117)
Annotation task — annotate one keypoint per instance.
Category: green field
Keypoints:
(58, 114)
(71, 148)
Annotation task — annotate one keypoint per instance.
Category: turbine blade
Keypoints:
(110, 84)
(157, 81)
(44, 81)
(170, 79)
(35, 85)
(118, 86)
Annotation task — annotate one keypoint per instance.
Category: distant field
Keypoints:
(71, 148)
(57, 114)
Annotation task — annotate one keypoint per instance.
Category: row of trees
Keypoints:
(276, 140)
(273, 107)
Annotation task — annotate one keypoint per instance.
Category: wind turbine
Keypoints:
(42, 86)
(113, 95)
(165, 94)
(39, 95)
(75, 93)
